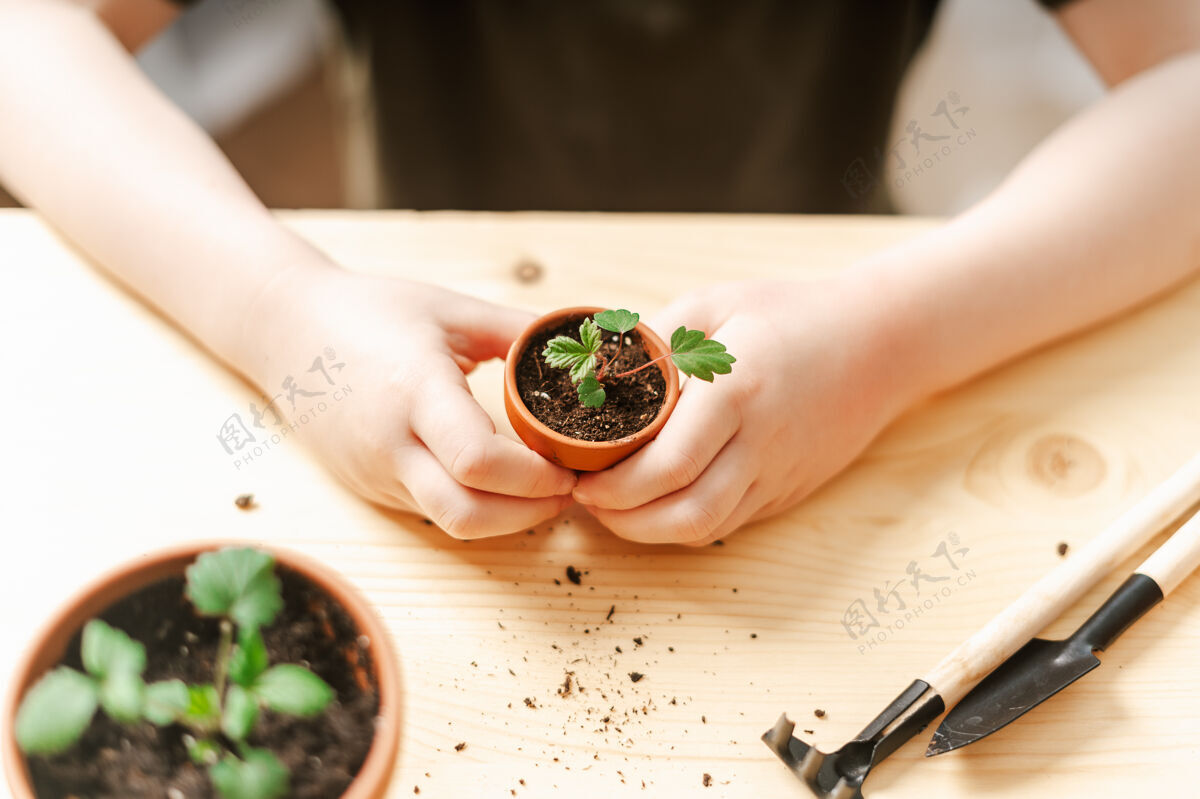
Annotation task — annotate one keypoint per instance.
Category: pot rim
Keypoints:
(669, 373)
(373, 776)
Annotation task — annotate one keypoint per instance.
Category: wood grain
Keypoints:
(1049, 597)
(111, 418)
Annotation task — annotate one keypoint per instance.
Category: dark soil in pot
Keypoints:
(631, 402)
(322, 753)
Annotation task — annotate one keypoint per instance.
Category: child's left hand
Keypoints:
(816, 379)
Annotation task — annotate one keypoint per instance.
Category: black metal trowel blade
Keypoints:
(1040, 669)
(1036, 672)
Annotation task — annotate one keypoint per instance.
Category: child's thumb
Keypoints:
(487, 330)
(688, 312)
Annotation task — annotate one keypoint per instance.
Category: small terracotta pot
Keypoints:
(48, 648)
(574, 453)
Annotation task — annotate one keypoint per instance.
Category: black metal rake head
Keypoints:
(840, 774)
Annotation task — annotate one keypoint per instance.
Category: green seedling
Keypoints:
(237, 586)
(693, 353)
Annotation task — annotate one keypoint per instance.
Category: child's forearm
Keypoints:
(1100, 218)
(89, 142)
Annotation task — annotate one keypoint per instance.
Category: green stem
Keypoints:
(224, 649)
(643, 366)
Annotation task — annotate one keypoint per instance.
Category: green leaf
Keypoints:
(698, 356)
(591, 393)
(237, 583)
(121, 696)
(106, 650)
(564, 352)
(117, 661)
(249, 657)
(618, 321)
(55, 712)
(259, 776)
(203, 752)
(590, 335)
(203, 708)
(241, 711)
(165, 702)
(293, 689)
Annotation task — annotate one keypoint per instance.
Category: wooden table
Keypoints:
(111, 415)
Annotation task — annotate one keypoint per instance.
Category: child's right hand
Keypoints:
(409, 434)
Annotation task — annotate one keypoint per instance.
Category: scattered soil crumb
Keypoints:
(753, 635)
(461, 745)
(638, 641)
(530, 703)
(244, 501)
(1062, 549)
(574, 575)
(611, 611)
(706, 780)
(810, 732)
(819, 713)
(635, 676)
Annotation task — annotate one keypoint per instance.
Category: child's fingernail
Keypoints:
(581, 496)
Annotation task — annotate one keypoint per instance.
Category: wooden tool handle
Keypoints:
(1046, 599)
(1176, 559)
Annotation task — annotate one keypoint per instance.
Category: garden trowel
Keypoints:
(840, 774)
(1042, 668)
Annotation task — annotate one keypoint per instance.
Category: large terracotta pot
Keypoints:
(574, 453)
(49, 646)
